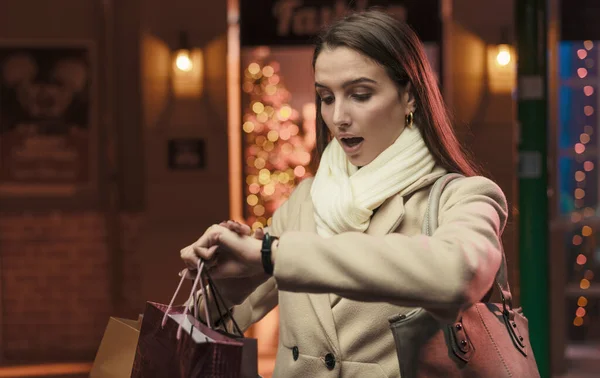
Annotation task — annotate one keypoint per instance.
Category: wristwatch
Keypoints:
(265, 252)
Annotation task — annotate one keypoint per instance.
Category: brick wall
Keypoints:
(55, 275)
(133, 301)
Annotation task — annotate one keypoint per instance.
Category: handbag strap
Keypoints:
(430, 224)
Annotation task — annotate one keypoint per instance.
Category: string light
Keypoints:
(253, 69)
(268, 71)
(579, 193)
(584, 284)
(277, 154)
(589, 63)
(584, 138)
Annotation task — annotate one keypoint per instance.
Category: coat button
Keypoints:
(295, 353)
(329, 361)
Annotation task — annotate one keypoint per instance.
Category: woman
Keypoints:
(350, 252)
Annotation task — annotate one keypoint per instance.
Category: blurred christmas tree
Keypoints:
(278, 142)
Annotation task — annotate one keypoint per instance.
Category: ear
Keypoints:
(409, 99)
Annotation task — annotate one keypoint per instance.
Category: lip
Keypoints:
(349, 150)
(346, 135)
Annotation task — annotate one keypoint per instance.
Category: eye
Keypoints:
(361, 97)
(328, 100)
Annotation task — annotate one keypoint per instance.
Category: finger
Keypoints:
(245, 229)
(206, 254)
(210, 237)
(238, 228)
(259, 233)
(189, 257)
(231, 226)
(189, 274)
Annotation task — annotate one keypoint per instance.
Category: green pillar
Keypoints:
(533, 177)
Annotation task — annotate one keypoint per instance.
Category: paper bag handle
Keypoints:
(200, 268)
(217, 297)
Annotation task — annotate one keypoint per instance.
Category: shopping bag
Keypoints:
(249, 368)
(174, 343)
(114, 358)
(198, 352)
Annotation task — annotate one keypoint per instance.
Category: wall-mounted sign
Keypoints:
(297, 22)
(186, 154)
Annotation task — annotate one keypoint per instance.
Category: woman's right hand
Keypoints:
(235, 290)
(237, 227)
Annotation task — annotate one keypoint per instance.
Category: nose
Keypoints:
(341, 117)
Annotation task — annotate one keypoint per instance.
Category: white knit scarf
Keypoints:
(344, 196)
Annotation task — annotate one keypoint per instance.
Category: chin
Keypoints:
(359, 161)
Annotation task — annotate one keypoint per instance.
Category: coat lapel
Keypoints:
(320, 302)
(391, 212)
(388, 217)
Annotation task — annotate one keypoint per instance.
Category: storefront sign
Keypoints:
(579, 20)
(297, 22)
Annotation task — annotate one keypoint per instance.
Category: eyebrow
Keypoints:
(346, 84)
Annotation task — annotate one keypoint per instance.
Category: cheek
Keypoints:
(387, 114)
(326, 115)
(385, 122)
(382, 114)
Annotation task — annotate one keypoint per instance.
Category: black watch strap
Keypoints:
(265, 252)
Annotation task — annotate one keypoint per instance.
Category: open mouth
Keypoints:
(352, 142)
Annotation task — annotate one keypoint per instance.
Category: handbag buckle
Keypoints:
(461, 345)
(513, 330)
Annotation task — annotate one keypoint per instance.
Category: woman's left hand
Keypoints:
(236, 255)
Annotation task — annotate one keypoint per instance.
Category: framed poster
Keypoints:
(46, 113)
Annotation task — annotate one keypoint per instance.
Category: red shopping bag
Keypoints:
(174, 344)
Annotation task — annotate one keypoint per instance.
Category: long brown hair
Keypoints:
(396, 47)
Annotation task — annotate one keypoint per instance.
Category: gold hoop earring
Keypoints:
(409, 120)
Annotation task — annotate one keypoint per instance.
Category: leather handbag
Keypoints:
(489, 340)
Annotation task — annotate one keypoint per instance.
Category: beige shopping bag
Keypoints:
(115, 356)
